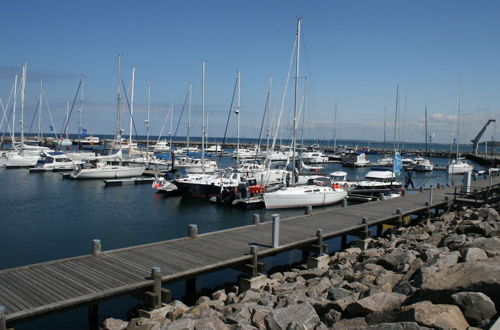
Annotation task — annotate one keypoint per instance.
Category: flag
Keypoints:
(51, 128)
(398, 164)
(84, 132)
(430, 138)
(454, 140)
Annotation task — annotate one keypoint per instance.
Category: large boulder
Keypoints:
(396, 326)
(397, 260)
(490, 245)
(114, 324)
(378, 302)
(477, 307)
(209, 323)
(480, 276)
(142, 323)
(182, 324)
(282, 318)
(436, 316)
(350, 324)
(474, 253)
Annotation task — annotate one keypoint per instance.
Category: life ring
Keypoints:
(335, 186)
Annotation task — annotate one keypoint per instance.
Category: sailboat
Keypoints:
(459, 165)
(422, 164)
(318, 192)
(102, 170)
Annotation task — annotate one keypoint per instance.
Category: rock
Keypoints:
(437, 316)
(448, 217)
(277, 276)
(477, 307)
(397, 259)
(473, 253)
(331, 317)
(490, 245)
(311, 273)
(202, 299)
(245, 327)
(209, 323)
(391, 278)
(220, 295)
(322, 286)
(436, 239)
(259, 315)
(350, 324)
(474, 227)
(250, 296)
(204, 310)
(397, 326)
(481, 276)
(142, 323)
(289, 276)
(242, 313)
(182, 324)
(303, 314)
(114, 324)
(455, 241)
(178, 308)
(232, 298)
(338, 293)
(378, 302)
(443, 259)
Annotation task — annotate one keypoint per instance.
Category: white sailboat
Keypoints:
(459, 165)
(320, 192)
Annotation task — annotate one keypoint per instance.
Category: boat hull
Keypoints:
(288, 198)
(111, 172)
(191, 189)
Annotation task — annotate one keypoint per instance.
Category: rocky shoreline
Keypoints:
(443, 273)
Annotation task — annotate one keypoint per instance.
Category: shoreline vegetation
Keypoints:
(441, 273)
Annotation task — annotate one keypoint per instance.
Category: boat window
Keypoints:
(228, 175)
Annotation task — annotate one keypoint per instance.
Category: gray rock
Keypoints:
(210, 324)
(474, 253)
(114, 324)
(245, 327)
(480, 276)
(490, 245)
(332, 317)
(289, 276)
(378, 302)
(338, 293)
(443, 259)
(303, 314)
(350, 324)
(220, 295)
(397, 326)
(436, 316)
(259, 315)
(181, 324)
(250, 296)
(477, 307)
(277, 276)
(397, 259)
(202, 299)
(143, 324)
(232, 298)
(311, 273)
(241, 313)
(455, 241)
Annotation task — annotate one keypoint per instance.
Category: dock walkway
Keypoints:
(50, 286)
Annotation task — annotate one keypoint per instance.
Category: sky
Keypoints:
(353, 54)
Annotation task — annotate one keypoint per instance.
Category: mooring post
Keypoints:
(308, 210)
(255, 260)
(276, 230)
(193, 231)
(344, 202)
(403, 192)
(365, 233)
(3, 321)
(319, 235)
(93, 316)
(430, 195)
(156, 276)
(256, 219)
(455, 195)
(421, 189)
(96, 247)
(380, 196)
(399, 221)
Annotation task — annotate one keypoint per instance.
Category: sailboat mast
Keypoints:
(385, 125)
(335, 128)
(80, 111)
(459, 110)
(147, 121)
(131, 108)
(396, 117)
(23, 87)
(118, 101)
(14, 112)
(189, 117)
(203, 110)
(237, 112)
(426, 137)
(40, 112)
(170, 133)
(66, 120)
(269, 112)
(297, 68)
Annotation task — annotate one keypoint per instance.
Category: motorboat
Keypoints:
(245, 153)
(90, 140)
(19, 158)
(56, 161)
(198, 166)
(422, 165)
(314, 157)
(62, 142)
(209, 185)
(339, 178)
(459, 166)
(318, 192)
(355, 160)
(102, 170)
(165, 184)
(162, 146)
(214, 148)
(378, 182)
(386, 161)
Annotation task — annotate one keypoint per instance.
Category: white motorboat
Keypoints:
(386, 161)
(186, 151)
(161, 146)
(422, 165)
(459, 166)
(198, 166)
(56, 161)
(101, 170)
(214, 148)
(18, 158)
(339, 178)
(314, 157)
(90, 140)
(378, 182)
(319, 193)
(63, 142)
(244, 153)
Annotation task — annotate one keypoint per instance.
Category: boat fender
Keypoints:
(335, 186)
(346, 185)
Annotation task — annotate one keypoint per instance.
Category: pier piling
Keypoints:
(96, 247)
(3, 323)
(93, 316)
(399, 221)
(193, 231)
(344, 202)
(430, 195)
(156, 276)
(308, 210)
(256, 219)
(276, 230)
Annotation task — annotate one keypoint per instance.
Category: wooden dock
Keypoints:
(38, 289)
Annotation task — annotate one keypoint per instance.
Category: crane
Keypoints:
(475, 140)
